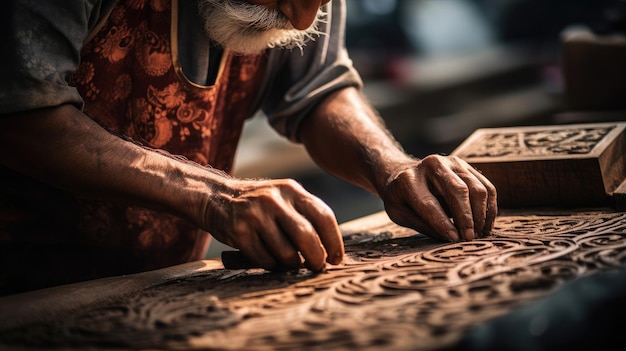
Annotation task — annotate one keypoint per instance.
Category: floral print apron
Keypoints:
(132, 84)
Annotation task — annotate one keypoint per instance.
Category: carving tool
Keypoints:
(234, 259)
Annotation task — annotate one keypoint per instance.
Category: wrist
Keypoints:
(206, 192)
(389, 168)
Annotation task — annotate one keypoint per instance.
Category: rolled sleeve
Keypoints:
(41, 43)
(305, 78)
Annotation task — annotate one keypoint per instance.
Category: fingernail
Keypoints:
(469, 234)
(322, 269)
(453, 235)
(336, 258)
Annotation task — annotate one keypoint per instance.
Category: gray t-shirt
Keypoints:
(41, 41)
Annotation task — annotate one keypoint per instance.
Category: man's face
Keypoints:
(251, 26)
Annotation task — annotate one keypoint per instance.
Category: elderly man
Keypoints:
(119, 123)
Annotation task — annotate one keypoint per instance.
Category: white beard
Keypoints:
(250, 29)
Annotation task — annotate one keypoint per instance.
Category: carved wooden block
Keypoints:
(397, 290)
(576, 165)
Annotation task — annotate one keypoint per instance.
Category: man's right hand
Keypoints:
(273, 222)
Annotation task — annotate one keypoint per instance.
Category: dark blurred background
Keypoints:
(437, 70)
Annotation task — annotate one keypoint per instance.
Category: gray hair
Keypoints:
(250, 29)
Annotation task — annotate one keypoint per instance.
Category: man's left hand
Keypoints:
(443, 197)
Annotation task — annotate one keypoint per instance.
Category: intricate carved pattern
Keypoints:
(396, 290)
(574, 141)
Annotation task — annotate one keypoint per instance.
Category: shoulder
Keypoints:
(41, 43)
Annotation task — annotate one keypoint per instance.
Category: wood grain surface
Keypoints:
(396, 290)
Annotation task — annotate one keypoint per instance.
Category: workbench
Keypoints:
(396, 290)
(547, 277)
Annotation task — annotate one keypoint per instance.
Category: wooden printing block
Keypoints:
(566, 166)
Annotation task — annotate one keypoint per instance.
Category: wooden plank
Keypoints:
(396, 290)
(575, 165)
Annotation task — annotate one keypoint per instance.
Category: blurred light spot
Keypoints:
(380, 7)
(447, 26)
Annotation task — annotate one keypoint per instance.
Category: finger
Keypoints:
(405, 216)
(457, 196)
(410, 203)
(258, 253)
(411, 189)
(491, 205)
(426, 205)
(478, 199)
(279, 246)
(435, 216)
(304, 237)
(325, 224)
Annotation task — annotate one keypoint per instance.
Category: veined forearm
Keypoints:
(65, 148)
(346, 138)
(272, 222)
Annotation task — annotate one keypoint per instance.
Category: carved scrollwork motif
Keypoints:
(397, 290)
(573, 141)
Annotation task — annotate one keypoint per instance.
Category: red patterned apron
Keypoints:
(132, 85)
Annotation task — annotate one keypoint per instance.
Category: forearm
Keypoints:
(346, 137)
(65, 148)
(270, 221)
